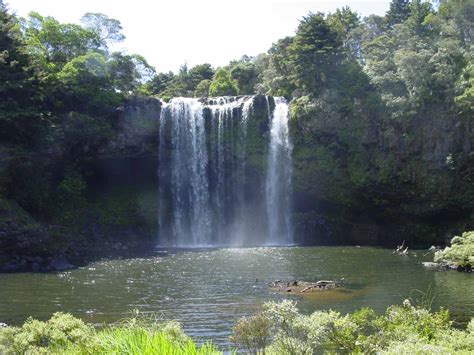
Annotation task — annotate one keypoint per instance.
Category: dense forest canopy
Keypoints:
(63, 88)
(418, 54)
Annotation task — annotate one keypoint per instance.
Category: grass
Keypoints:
(278, 329)
(65, 334)
(138, 340)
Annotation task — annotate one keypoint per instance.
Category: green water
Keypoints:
(207, 290)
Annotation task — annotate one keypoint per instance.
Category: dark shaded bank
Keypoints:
(58, 214)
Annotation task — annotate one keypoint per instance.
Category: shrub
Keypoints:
(64, 334)
(35, 336)
(222, 84)
(401, 329)
(460, 253)
(252, 333)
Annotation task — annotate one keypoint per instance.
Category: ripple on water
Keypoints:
(208, 289)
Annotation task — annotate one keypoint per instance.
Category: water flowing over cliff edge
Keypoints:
(209, 194)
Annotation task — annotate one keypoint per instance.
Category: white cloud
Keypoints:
(168, 33)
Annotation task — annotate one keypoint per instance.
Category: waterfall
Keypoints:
(188, 164)
(279, 175)
(209, 194)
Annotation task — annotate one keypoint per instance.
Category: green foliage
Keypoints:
(399, 328)
(460, 253)
(222, 84)
(144, 339)
(21, 112)
(252, 333)
(314, 53)
(185, 83)
(128, 72)
(244, 72)
(276, 76)
(160, 82)
(64, 334)
(52, 44)
(465, 100)
(399, 11)
(202, 89)
(199, 73)
(71, 196)
(35, 336)
(106, 29)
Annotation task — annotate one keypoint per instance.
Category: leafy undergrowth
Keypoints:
(64, 334)
(460, 253)
(279, 329)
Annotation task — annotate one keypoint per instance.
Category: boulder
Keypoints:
(60, 263)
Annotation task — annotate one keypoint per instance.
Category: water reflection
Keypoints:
(207, 289)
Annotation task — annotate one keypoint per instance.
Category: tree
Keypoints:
(52, 44)
(202, 89)
(343, 21)
(222, 84)
(419, 13)
(127, 72)
(398, 12)
(160, 82)
(244, 73)
(465, 101)
(86, 84)
(458, 15)
(197, 74)
(21, 114)
(348, 26)
(278, 76)
(106, 29)
(314, 53)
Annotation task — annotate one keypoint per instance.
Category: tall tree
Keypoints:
(107, 30)
(398, 12)
(52, 44)
(314, 52)
(20, 112)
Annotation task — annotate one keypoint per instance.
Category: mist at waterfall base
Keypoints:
(224, 172)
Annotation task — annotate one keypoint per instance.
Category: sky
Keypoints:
(169, 33)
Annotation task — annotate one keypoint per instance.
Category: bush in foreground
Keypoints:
(279, 329)
(64, 334)
(401, 329)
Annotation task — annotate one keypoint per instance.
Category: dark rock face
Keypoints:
(137, 129)
(358, 178)
(363, 178)
(26, 245)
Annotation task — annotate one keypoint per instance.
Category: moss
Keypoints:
(127, 207)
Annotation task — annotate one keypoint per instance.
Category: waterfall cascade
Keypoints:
(279, 173)
(222, 182)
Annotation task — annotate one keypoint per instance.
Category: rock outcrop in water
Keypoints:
(303, 287)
